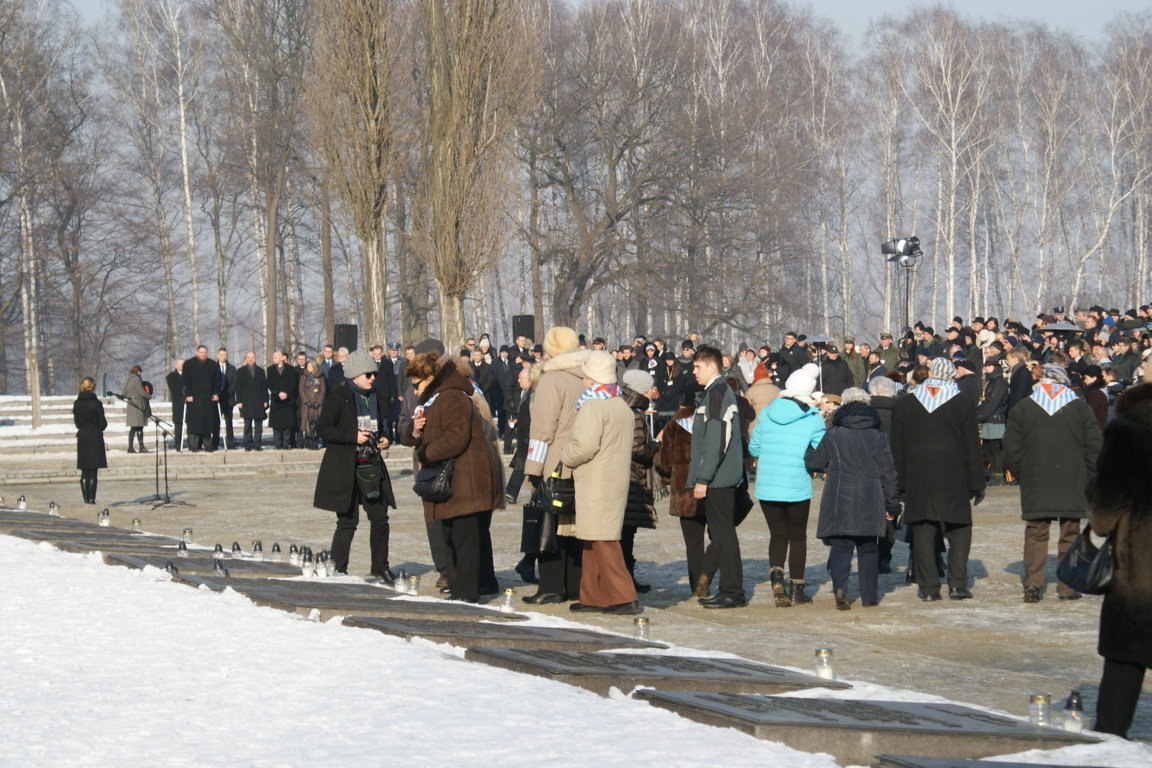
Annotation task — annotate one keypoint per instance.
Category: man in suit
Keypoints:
(251, 397)
(175, 382)
(201, 395)
(227, 392)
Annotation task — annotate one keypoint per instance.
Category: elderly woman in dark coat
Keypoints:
(137, 414)
(350, 425)
(859, 498)
(640, 511)
(1121, 505)
(88, 416)
(447, 425)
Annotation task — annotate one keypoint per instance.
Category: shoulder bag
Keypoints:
(1087, 568)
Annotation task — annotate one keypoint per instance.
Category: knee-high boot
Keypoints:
(84, 489)
(92, 491)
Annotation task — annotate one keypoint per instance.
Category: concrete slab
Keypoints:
(903, 761)
(203, 565)
(471, 633)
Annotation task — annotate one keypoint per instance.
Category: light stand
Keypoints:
(161, 445)
(905, 251)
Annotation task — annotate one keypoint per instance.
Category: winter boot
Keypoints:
(140, 435)
(131, 443)
(842, 603)
(703, 586)
(84, 489)
(799, 597)
(779, 593)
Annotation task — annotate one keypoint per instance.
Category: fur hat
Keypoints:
(802, 383)
(430, 345)
(638, 381)
(559, 340)
(1056, 373)
(359, 362)
(942, 368)
(599, 366)
(985, 337)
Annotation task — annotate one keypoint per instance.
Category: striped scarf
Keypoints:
(598, 392)
(1052, 396)
(933, 393)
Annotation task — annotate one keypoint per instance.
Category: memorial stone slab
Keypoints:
(93, 541)
(36, 521)
(466, 633)
(337, 599)
(600, 672)
(201, 563)
(904, 761)
(854, 732)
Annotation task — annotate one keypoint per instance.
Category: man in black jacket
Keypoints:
(251, 397)
(283, 387)
(201, 395)
(227, 395)
(835, 375)
(175, 382)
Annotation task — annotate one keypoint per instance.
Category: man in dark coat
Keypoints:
(227, 392)
(349, 422)
(835, 373)
(792, 354)
(1019, 378)
(252, 399)
(936, 447)
(201, 395)
(175, 382)
(384, 383)
(1051, 445)
(283, 385)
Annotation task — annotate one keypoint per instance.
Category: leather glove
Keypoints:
(977, 497)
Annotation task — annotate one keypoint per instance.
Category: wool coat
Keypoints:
(201, 382)
(835, 376)
(338, 428)
(641, 509)
(554, 411)
(784, 431)
(1053, 457)
(938, 461)
(454, 429)
(760, 395)
(252, 392)
(137, 396)
(282, 414)
(600, 455)
(672, 461)
(861, 483)
(88, 416)
(311, 391)
(992, 407)
(1121, 502)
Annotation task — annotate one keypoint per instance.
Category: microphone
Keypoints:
(110, 393)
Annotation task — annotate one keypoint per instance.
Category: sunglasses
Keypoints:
(370, 374)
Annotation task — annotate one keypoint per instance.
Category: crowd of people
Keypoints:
(905, 436)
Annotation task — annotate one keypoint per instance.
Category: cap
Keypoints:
(849, 339)
(831, 350)
(394, 345)
(1057, 310)
(885, 335)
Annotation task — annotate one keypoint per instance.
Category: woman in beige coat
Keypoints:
(600, 453)
(553, 415)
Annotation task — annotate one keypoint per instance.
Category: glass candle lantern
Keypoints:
(182, 549)
(641, 628)
(293, 555)
(137, 526)
(1074, 712)
(218, 552)
(307, 565)
(236, 551)
(258, 550)
(187, 535)
(277, 555)
(413, 584)
(508, 601)
(21, 503)
(825, 664)
(53, 509)
(1040, 709)
(105, 518)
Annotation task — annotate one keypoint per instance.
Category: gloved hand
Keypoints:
(977, 497)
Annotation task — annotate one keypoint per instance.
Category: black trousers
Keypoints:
(627, 544)
(229, 434)
(178, 423)
(787, 535)
(720, 512)
(1119, 693)
(469, 544)
(701, 559)
(253, 432)
(284, 438)
(868, 564)
(441, 559)
(560, 571)
(346, 523)
(959, 539)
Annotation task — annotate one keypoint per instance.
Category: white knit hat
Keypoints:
(802, 383)
(600, 366)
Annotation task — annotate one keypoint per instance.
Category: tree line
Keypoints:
(252, 172)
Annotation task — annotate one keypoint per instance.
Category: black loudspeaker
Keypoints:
(524, 325)
(345, 336)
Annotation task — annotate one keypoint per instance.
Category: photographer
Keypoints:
(352, 471)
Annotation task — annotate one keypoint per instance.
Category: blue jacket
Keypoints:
(784, 432)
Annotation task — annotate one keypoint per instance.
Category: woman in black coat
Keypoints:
(991, 415)
(349, 424)
(859, 498)
(1121, 505)
(88, 416)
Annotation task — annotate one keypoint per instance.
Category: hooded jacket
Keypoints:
(784, 431)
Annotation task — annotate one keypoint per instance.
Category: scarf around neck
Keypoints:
(1052, 396)
(598, 392)
(933, 393)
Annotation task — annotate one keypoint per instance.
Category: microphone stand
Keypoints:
(161, 429)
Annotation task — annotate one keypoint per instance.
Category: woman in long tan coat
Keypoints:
(553, 415)
(600, 454)
(447, 425)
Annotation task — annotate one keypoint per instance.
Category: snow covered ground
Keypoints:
(109, 666)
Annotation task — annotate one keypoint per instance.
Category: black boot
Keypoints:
(92, 491)
(140, 435)
(779, 588)
(84, 489)
(842, 603)
(799, 597)
(131, 444)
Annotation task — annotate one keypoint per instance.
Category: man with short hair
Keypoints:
(716, 468)
(857, 364)
(889, 354)
(252, 400)
(283, 386)
(227, 400)
(792, 354)
(201, 395)
(327, 357)
(835, 375)
(175, 382)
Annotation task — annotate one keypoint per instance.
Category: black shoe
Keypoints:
(870, 605)
(799, 596)
(1031, 595)
(487, 590)
(625, 609)
(641, 588)
(842, 603)
(581, 608)
(959, 594)
(527, 572)
(711, 599)
(509, 498)
(446, 589)
(545, 598)
(885, 566)
(386, 578)
(143, 449)
(726, 602)
(131, 449)
(930, 597)
(1073, 596)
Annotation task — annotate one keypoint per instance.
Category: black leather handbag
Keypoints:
(434, 481)
(558, 494)
(538, 534)
(1087, 568)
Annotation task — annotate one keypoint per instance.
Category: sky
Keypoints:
(1086, 19)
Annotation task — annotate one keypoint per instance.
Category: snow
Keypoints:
(104, 665)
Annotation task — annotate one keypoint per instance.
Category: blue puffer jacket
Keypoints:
(784, 431)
